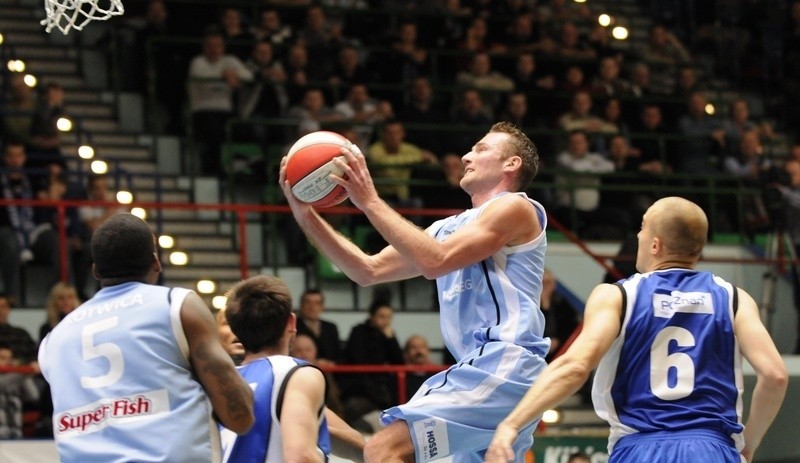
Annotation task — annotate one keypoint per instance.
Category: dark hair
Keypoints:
(377, 304)
(123, 248)
(309, 292)
(257, 311)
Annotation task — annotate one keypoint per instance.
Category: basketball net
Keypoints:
(75, 14)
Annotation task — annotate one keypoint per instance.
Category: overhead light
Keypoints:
(99, 167)
(64, 124)
(551, 416)
(218, 302)
(710, 109)
(206, 286)
(86, 152)
(16, 65)
(178, 258)
(30, 80)
(124, 197)
(2, 39)
(604, 20)
(619, 33)
(166, 241)
(139, 212)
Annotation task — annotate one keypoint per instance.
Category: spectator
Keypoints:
(704, 138)
(322, 38)
(579, 193)
(16, 391)
(739, 123)
(579, 457)
(521, 35)
(641, 82)
(213, 78)
(267, 96)
(790, 222)
(238, 40)
(407, 58)
(560, 317)
(470, 111)
(305, 348)
(483, 78)
(271, 28)
(664, 52)
(324, 333)
(17, 117)
(749, 166)
(416, 352)
(349, 68)
(372, 342)
(580, 117)
(363, 111)
(22, 345)
(686, 82)
(62, 299)
(21, 241)
(613, 114)
(627, 161)
(45, 148)
(529, 78)
(394, 159)
(572, 45)
(312, 112)
(554, 12)
(650, 139)
(516, 111)
(608, 81)
(422, 108)
(447, 192)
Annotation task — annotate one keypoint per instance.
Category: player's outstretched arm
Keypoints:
(365, 270)
(230, 396)
(567, 373)
(299, 416)
(772, 378)
(346, 442)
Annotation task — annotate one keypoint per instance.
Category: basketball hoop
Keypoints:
(75, 14)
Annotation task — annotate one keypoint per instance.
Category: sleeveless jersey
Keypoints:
(263, 443)
(121, 382)
(496, 299)
(676, 363)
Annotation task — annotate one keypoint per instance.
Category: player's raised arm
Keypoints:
(230, 396)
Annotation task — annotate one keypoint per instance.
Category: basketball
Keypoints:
(310, 162)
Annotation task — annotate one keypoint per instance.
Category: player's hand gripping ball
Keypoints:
(308, 165)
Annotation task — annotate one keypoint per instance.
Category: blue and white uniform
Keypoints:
(492, 324)
(121, 381)
(263, 443)
(674, 372)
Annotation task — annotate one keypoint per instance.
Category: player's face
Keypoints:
(483, 164)
(229, 342)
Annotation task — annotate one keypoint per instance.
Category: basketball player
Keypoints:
(257, 308)
(138, 373)
(488, 263)
(676, 335)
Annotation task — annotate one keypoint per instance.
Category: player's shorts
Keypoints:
(686, 446)
(457, 410)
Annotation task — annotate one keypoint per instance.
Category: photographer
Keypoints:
(790, 192)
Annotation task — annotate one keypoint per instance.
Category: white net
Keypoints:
(75, 14)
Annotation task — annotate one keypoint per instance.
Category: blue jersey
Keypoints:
(496, 299)
(676, 363)
(122, 385)
(263, 443)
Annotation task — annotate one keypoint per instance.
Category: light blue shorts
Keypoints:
(457, 410)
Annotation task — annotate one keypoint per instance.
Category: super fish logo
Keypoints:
(101, 414)
(432, 439)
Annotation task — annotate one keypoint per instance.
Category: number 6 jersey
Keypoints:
(121, 382)
(675, 364)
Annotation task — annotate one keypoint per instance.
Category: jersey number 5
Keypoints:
(111, 352)
(662, 362)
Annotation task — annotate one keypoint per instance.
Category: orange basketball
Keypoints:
(310, 162)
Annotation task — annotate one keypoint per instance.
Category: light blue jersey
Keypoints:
(121, 382)
(676, 364)
(263, 443)
(492, 324)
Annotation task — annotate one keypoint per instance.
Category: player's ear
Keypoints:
(656, 246)
(512, 162)
(291, 324)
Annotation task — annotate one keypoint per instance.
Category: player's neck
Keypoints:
(264, 353)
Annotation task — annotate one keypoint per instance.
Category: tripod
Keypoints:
(777, 247)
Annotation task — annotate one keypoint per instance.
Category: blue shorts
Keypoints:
(688, 446)
(457, 410)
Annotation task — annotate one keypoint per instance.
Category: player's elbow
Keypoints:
(241, 424)
(776, 378)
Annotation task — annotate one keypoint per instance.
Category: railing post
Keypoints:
(242, 216)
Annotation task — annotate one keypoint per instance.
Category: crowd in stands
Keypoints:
(447, 70)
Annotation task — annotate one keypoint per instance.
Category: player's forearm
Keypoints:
(339, 249)
(767, 399)
(408, 239)
(562, 379)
